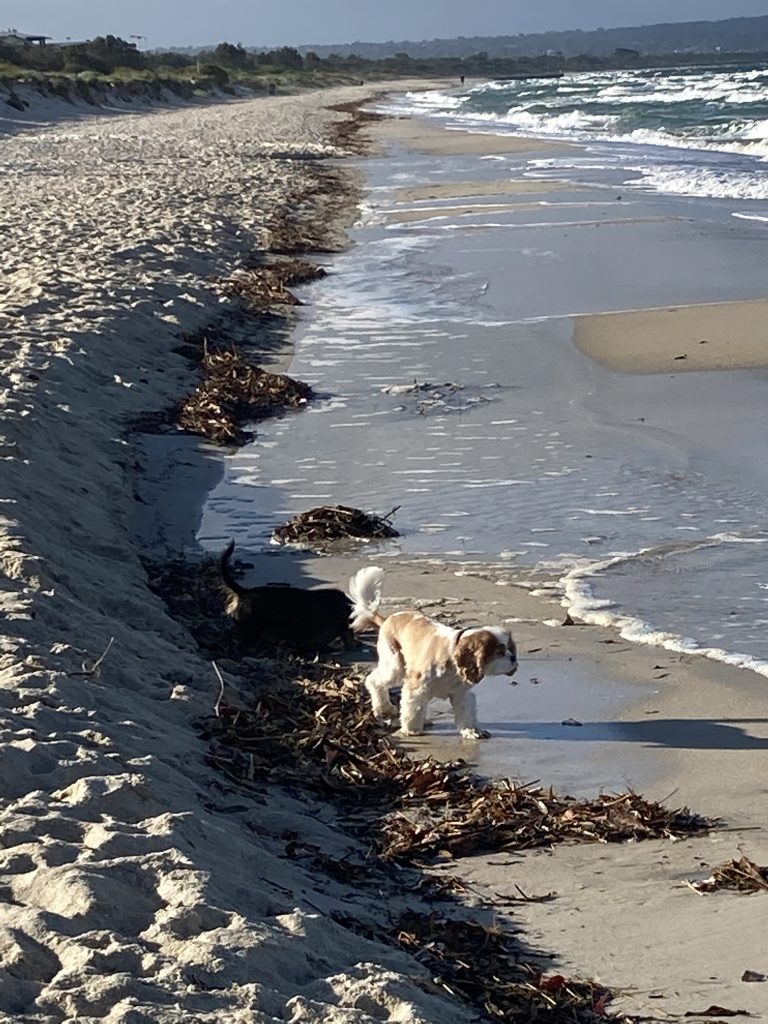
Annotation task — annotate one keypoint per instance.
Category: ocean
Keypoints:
(442, 346)
(682, 131)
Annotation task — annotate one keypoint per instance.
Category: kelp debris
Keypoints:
(233, 390)
(346, 134)
(500, 815)
(318, 732)
(718, 1011)
(335, 522)
(742, 875)
(482, 965)
(425, 397)
(264, 285)
(193, 596)
(304, 223)
(485, 967)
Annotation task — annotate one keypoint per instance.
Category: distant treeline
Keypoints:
(107, 54)
(228, 62)
(731, 34)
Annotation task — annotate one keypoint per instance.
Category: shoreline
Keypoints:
(136, 884)
(668, 735)
(113, 845)
(674, 725)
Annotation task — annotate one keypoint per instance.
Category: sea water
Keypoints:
(450, 387)
(683, 130)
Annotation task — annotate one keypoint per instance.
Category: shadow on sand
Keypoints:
(682, 733)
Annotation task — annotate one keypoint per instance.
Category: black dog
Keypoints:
(306, 620)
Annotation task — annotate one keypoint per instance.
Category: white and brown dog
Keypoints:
(427, 658)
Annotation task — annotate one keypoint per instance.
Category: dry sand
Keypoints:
(130, 895)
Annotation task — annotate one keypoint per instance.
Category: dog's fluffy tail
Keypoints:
(365, 594)
(229, 584)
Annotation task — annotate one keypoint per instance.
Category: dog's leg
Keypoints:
(464, 706)
(349, 641)
(377, 685)
(413, 706)
(388, 672)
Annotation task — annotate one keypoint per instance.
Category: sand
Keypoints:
(428, 137)
(446, 212)
(708, 336)
(137, 888)
(464, 189)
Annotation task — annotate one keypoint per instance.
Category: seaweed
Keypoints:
(319, 732)
(742, 875)
(335, 522)
(234, 390)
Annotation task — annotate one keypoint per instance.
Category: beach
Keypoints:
(138, 885)
(571, 317)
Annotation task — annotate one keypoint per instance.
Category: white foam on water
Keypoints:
(611, 511)
(708, 111)
(702, 181)
(578, 596)
(750, 216)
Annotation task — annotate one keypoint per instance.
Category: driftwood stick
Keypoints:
(217, 705)
(93, 671)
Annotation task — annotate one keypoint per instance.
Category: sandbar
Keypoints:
(706, 336)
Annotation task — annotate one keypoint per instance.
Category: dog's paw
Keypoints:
(409, 732)
(475, 734)
(386, 712)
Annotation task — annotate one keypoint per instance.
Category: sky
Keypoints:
(166, 23)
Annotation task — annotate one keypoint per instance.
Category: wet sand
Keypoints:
(707, 336)
(425, 137)
(464, 189)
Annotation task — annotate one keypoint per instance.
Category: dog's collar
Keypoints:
(459, 635)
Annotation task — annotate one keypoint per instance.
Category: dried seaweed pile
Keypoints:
(335, 522)
(502, 816)
(289, 234)
(742, 875)
(483, 966)
(306, 221)
(263, 286)
(194, 598)
(319, 733)
(346, 134)
(487, 968)
(234, 390)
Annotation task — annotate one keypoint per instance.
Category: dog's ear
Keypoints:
(472, 654)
